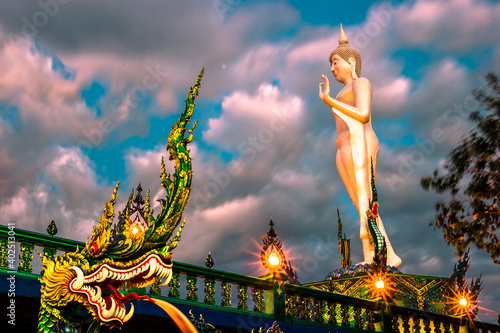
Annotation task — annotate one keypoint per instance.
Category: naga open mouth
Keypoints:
(101, 287)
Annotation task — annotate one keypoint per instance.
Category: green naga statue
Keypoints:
(379, 264)
(85, 285)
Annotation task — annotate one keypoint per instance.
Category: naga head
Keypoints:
(132, 252)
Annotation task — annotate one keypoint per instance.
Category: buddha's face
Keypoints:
(341, 69)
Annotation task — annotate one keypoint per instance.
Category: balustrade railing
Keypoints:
(264, 297)
(409, 320)
(322, 307)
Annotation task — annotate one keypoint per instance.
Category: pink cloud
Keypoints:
(268, 110)
(459, 25)
(316, 50)
(392, 97)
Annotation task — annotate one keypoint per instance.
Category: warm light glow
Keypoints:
(381, 286)
(136, 230)
(460, 302)
(273, 259)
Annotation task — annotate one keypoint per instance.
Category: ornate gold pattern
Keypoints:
(418, 292)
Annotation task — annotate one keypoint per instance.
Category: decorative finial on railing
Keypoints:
(52, 228)
(209, 262)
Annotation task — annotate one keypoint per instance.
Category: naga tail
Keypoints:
(179, 186)
(120, 241)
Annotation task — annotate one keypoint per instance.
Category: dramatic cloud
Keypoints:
(391, 97)
(431, 23)
(267, 115)
(42, 96)
(68, 191)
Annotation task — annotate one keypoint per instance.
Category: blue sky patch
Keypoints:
(91, 95)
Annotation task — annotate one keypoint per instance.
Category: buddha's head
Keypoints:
(345, 51)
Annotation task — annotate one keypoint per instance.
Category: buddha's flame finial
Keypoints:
(342, 37)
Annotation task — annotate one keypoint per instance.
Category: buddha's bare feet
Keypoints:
(394, 260)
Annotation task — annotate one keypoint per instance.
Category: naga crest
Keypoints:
(133, 252)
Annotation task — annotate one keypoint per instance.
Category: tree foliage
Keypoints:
(472, 179)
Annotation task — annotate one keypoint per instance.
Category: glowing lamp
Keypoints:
(273, 260)
(380, 284)
(463, 301)
(271, 254)
(136, 229)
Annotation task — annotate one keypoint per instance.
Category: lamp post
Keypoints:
(274, 260)
(271, 254)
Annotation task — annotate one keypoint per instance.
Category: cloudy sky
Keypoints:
(89, 92)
